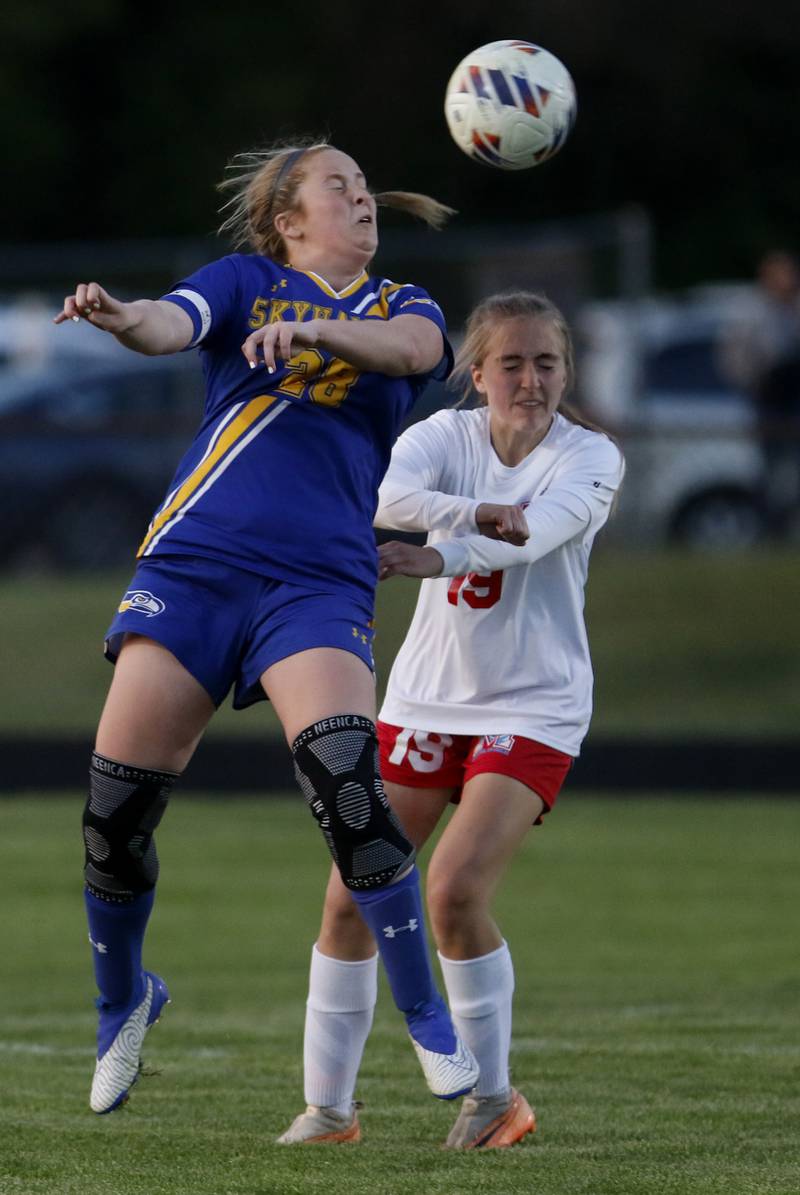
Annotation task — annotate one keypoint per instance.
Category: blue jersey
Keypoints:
(283, 474)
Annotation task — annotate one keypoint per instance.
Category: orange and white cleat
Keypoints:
(322, 1126)
(492, 1122)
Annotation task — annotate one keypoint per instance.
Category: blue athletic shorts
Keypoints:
(226, 625)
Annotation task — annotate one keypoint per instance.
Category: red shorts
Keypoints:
(429, 759)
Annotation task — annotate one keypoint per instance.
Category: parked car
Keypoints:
(652, 373)
(87, 449)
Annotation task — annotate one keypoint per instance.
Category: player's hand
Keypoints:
(98, 307)
(503, 522)
(396, 559)
(279, 341)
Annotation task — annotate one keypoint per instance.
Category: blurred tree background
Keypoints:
(117, 116)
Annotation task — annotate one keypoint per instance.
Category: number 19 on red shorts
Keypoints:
(432, 759)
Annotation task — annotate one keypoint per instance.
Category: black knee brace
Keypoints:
(336, 765)
(125, 805)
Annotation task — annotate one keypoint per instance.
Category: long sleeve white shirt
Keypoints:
(498, 643)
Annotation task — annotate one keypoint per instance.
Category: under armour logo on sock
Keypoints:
(100, 947)
(389, 931)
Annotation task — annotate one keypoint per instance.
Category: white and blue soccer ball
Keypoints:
(510, 104)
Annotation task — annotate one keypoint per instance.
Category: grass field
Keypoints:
(656, 1011)
(682, 645)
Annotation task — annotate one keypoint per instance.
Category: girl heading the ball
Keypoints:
(257, 572)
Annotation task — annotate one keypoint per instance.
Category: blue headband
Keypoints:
(287, 165)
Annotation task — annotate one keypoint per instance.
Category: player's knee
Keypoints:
(125, 805)
(343, 933)
(336, 765)
(453, 899)
(341, 917)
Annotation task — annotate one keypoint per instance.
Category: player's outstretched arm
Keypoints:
(146, 325)
(398, 559)
(398, 347)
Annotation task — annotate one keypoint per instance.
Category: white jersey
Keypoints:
(498, 643)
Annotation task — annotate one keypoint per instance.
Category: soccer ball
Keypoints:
(510, 104)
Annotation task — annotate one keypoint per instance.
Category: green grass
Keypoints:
(658, 978)
(687, 645)
(682, 645)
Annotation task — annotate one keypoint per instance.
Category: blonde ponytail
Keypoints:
(434, 213)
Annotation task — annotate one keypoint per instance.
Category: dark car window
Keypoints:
(688, 366)
(81, 405)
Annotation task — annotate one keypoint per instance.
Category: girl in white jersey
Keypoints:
(489, 697)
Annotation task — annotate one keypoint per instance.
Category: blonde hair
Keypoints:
(510, 305)
(434, 213)
(264, 183)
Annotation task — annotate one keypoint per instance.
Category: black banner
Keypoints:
(264, 766)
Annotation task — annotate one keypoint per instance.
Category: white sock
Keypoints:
(480, 991)
(339, 1011)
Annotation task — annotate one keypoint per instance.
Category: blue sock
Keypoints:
(116, 932)
(394, 914)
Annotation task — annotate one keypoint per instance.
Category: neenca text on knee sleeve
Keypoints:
(125, 805)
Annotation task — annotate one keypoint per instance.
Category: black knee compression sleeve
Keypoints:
(125, 805)
(336, 765)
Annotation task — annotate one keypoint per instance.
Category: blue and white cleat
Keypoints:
(120, 1036)
(449, 1067)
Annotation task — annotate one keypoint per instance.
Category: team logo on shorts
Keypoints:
(504, 743)
(365, 638)
(141, 601)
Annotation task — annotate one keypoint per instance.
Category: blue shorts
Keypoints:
(226, 625)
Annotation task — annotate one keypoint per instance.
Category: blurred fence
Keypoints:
(574, 260)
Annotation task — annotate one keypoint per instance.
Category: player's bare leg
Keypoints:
(480, 840)
(153, 718)
(155, 712)
(470, 858)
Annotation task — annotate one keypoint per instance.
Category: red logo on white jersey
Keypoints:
(478, 590)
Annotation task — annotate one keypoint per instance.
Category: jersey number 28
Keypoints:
(327, 387)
